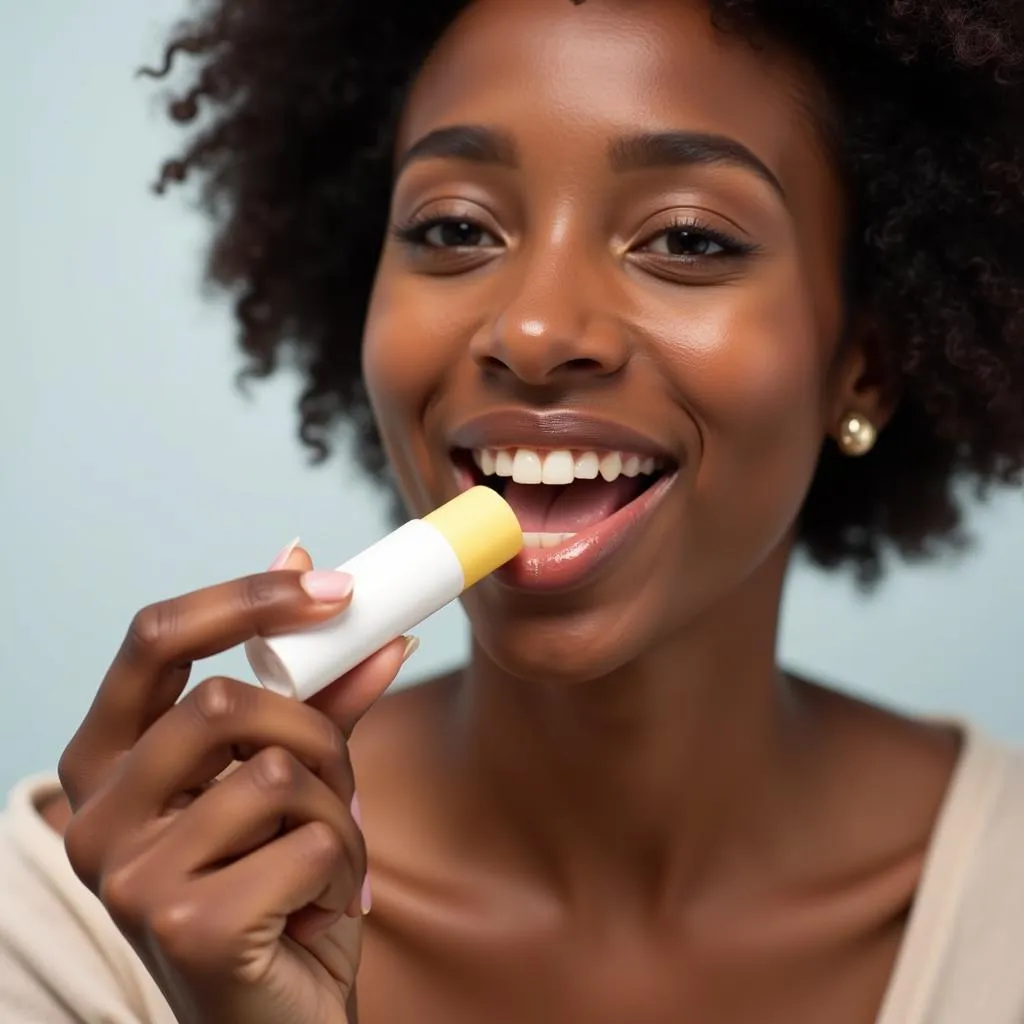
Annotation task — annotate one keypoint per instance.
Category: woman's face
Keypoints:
(615, 232)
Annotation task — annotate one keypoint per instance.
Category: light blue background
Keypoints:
(132, 470)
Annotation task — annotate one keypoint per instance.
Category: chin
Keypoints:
(562, 650)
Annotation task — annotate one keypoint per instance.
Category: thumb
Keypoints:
(293, 558)
(347, 699)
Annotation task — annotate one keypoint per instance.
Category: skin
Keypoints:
(621, 809)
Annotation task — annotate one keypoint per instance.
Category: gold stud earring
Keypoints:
(857, 434)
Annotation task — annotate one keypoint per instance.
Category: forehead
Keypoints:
(559, 76)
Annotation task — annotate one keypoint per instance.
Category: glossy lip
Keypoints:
(573, 563)
(555, 431)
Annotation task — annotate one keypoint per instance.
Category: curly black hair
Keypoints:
(292, 107)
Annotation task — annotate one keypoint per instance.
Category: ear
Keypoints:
(863, 382)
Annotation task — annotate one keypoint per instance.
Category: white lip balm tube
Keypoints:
(397, 583)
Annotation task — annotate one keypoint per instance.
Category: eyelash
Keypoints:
(414, 232)
(732, 248)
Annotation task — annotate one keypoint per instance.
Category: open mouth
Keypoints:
(557, 494)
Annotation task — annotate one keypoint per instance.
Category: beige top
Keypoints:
(62, 961)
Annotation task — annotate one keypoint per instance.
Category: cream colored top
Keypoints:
(62, 961)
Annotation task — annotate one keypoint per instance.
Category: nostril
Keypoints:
(493, 364)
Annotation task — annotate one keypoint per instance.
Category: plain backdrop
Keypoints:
(132, 469)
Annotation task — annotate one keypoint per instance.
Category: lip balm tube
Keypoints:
(397, 583)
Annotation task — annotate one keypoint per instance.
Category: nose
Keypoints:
(552, 332)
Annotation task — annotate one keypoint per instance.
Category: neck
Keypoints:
(641, 780)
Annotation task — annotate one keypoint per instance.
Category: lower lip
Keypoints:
(574, 562)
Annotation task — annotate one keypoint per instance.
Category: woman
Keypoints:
(731, 280)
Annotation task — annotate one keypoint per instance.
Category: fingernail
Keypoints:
(365, 898)
(283, 555)
(412, 643)
(326, 585)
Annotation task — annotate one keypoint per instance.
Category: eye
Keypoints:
(687, 251)
(447, 233)
(693, 242)
(457, 234)
(685, 242)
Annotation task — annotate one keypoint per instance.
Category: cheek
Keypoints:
(761, 384)
(754, 372)
(411, 355)
(394, 364)
(416, 337)
(397, 372)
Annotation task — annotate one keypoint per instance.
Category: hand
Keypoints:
(218, 830)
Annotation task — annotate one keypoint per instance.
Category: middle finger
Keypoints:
(246, 810)
(200, 736)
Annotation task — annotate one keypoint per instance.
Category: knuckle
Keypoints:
(324, 843)
(218, 698)
(122, 893)
(178, 928)
(332, 744)
(256, 593)
(68, 772)
(82, 851)
(275, 770)
(151, 628)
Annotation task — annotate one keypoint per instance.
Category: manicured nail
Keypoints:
(283, 555)
(412, 643)
(365, 897)
(326, 586)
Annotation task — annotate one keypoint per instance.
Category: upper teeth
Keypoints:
(528, 466)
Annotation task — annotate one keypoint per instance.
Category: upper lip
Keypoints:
(555, 431)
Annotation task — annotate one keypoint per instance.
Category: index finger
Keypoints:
(152, 666)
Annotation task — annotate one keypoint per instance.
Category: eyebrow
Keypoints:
(463, 142)
(687, 149)
(647, 151)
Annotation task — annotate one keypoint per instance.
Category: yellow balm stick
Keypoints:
(397, 583)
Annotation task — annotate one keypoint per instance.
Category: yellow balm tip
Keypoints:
(481, 528)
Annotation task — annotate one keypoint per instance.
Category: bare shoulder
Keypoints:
(399, 755)
(402, 729)
(893, 771)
